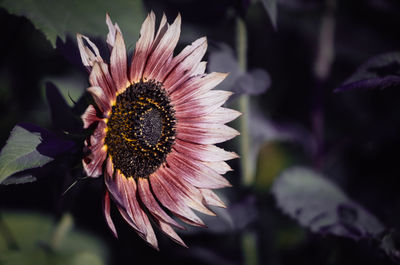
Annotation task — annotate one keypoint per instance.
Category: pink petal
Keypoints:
(102, 102)
(196, 86)
(118, 64)
(87, 55)
(167, 229)
(220, 167)
(162, 50)
(205, 133)
(203, 152)
(93, 163)
(139, 217)
(163, 194)
(143, 48)
(112, 30)
(195, 172)
(184, 191)
(220, 115)
(106, 210)
(212, 199)
(200, 69)
(152, 205)
(183, 65)
(89, 116)
(111, 182)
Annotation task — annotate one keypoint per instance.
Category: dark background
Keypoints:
(360, 139)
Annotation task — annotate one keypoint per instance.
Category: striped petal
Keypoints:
(89, 116)
(112, 31)
(118, 64)
(205, 133)
(107, 216)
(143, 48)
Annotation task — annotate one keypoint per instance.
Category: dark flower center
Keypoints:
(141, 129)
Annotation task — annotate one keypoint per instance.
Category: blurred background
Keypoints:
(323, 123)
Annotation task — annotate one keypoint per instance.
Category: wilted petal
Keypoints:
(88, 56)
(93, 163)
(112, 31)
(89, 116)
(100, 77)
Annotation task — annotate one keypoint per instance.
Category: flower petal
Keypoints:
(162, 50)
(203, 152)
(195, 173)
(183, 65)
(112, 30)
(102, 102)
(167, 229)
(212, 199)
(106, 210)
(89, 116)
(118, 64)
(196, 86)
(205, 133)
(184, 191)
(178, 207)
(100, 77)
(88, 56)
(93, 163)
(152, 205)
(220, 167)
(143, 48)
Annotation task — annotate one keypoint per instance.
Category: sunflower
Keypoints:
(155, 125)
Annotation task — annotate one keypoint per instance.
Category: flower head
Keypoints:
(155, 125)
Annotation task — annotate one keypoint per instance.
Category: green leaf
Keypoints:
(20, 153)
(318, 204)
(62, 17)
(33, 235)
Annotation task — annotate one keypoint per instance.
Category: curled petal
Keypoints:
(112, 30)
(88, 55)
(89, 116)
(106, 210)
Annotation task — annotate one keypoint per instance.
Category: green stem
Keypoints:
(241, 46)
(61, 230)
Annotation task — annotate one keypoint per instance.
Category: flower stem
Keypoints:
(249, 238)
(245, 163)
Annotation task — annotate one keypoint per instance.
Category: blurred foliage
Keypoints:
(30, 240)
(59, 18)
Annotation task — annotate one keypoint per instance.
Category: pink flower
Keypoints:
(155, 125)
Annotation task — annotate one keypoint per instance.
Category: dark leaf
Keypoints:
(271, 8)
(381, 71)
(59, 18)
(318, 204)
(29, 147)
